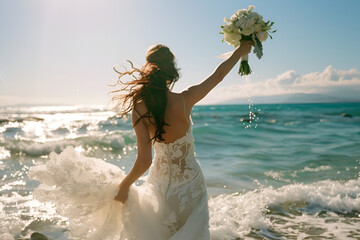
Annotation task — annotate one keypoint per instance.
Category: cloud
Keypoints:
(340, 83)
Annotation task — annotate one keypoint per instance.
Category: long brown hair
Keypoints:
(149, 84)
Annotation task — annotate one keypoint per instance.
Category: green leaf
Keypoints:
(244, 38)
(258, 49)
(244, 68)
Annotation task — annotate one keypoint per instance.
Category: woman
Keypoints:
(172, 202)
(161, 119)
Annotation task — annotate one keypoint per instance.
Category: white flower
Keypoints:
(252, 21)
(226, 20)
(242, 21)
(262, 36)
(239, 24)
(228, 28)
(251, 7)
(234, 17)
(232, 39)
(240, 12)
(252, 18)
(256, 15)
(257, 27)
(248, 30)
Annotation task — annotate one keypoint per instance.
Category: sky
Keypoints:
(63, 51)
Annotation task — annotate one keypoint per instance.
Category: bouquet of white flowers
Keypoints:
(246, 25)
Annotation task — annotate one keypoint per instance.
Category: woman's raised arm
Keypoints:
(197, 92)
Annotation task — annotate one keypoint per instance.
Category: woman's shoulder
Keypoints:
(140, 111)
(174, 94)
(187, 95)
(181, 103)
(174, 99)
(140, 108)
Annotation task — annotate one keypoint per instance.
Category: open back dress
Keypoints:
(170, 204)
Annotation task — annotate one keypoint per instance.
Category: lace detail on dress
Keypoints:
(177, 174)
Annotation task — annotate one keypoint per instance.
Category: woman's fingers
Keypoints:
(118, 200)
(246, 47)
(121, 198)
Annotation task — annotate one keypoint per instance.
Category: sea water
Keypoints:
(293, 174)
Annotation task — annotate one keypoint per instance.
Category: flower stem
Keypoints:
(244, 68)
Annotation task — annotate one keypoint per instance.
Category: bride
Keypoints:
(172, 202)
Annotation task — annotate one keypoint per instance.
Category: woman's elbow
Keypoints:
(148, 163)
(145, 162)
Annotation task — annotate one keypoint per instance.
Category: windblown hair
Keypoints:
(149, 84)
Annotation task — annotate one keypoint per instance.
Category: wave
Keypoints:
(115, 141)
(317, 169)
(307, 205)
(53, 109)
(325, 209)
(13, 227)
(21, 119)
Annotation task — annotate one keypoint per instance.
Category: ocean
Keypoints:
(273, 171)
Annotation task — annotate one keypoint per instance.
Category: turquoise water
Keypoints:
(284, 145)
(286, 171)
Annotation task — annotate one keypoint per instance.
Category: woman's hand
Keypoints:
(197, 92)
(245, 47)
(122, 195)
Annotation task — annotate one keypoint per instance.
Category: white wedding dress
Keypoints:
(171, 204)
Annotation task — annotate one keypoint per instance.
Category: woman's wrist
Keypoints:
(124, 185)
(240, 51)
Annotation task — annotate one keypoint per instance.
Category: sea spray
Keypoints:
(251, 122)
(291, 210)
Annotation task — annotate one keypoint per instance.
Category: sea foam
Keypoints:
(113, 141)
(236, 215)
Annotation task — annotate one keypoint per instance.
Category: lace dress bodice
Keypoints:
(175, 164)
(176, 173)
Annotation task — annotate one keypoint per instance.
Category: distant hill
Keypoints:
(292, 98)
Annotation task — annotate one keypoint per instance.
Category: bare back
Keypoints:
(176, 116)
